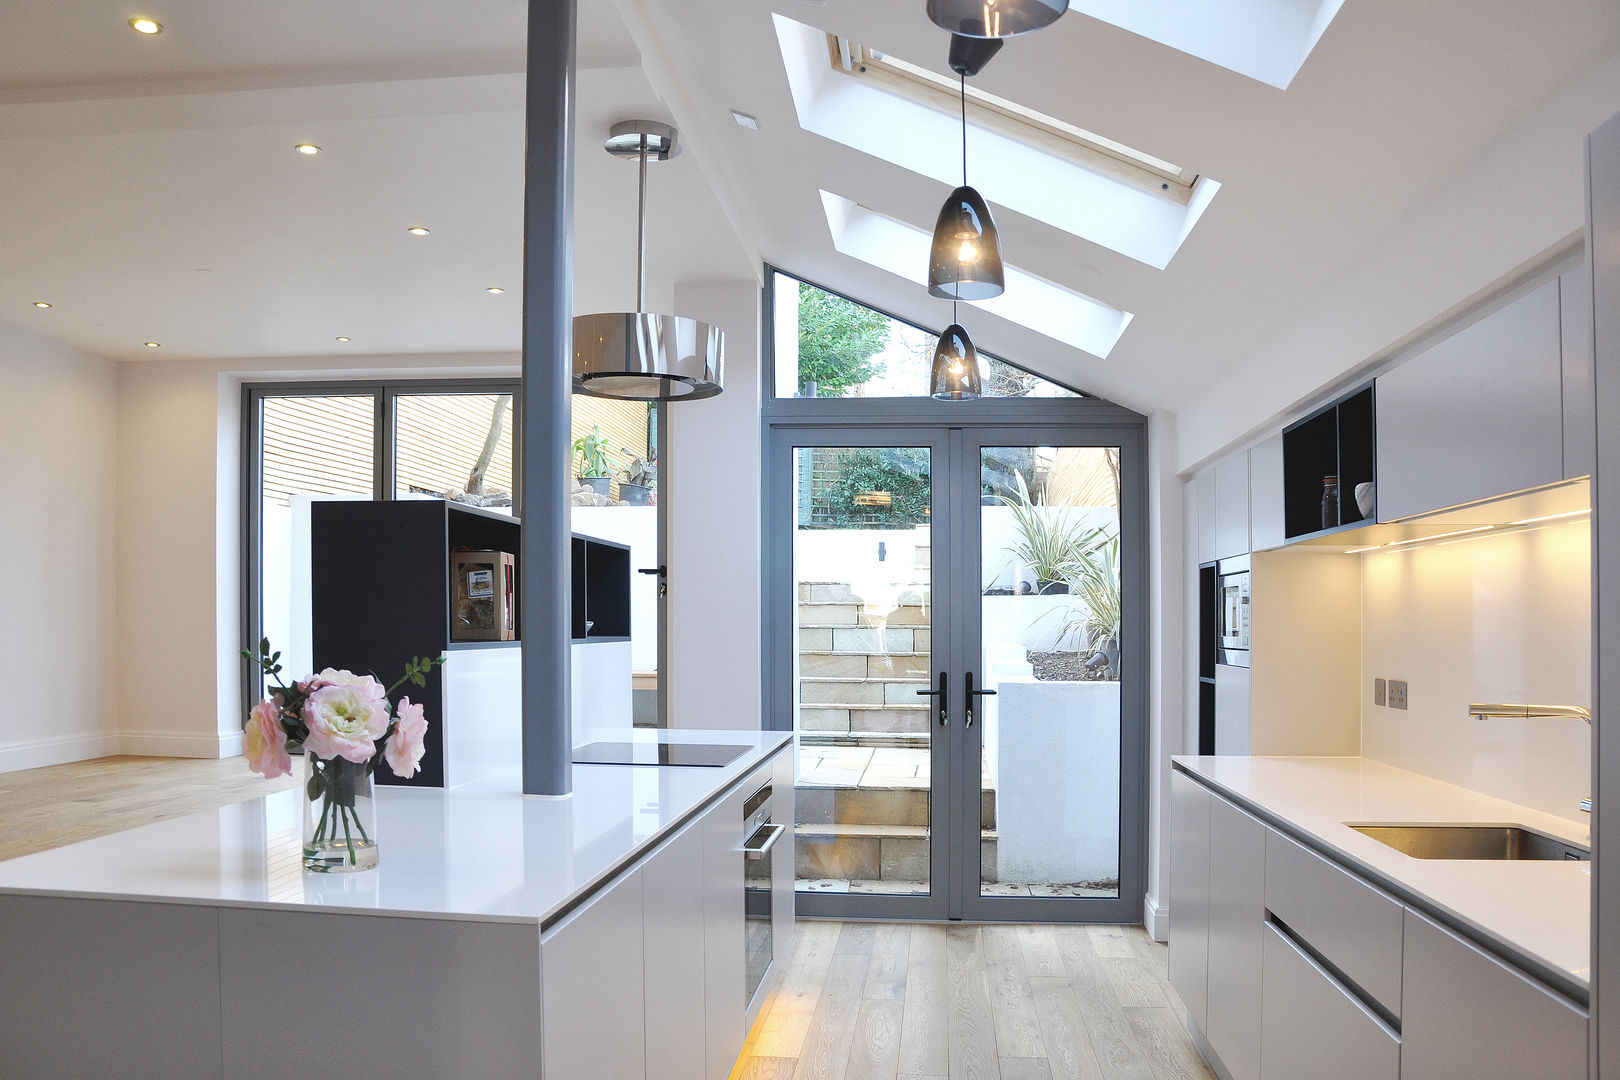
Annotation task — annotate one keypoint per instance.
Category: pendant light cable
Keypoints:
(964, 130)
(641, 227)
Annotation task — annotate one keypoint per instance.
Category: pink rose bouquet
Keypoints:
(345, 724)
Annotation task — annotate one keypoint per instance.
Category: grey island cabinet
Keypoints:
(602, 934)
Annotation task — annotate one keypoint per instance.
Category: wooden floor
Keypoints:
(958, 1002)
(63, 804)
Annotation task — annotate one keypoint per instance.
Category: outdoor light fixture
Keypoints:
(964, 262)
(995, 18)
(955, 375)
(635, 355)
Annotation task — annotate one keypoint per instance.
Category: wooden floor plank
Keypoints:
(1111, 1036)
(782, 1028)
(875, 1053)
(764, 1068)
(855, 939)
(827, 1044)
(1069, 1053)
(1012, 1006)
(1165, 1046)
(1013, 1068)
(886, 976)
(1109, 941)
(1041, 957)
(972, 1027)
(1134, 985)
(924, 1038)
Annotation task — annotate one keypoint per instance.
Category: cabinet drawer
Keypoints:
(1470, 1015)
(1314, 1029)
(1352, 925)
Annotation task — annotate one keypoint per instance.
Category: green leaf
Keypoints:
(317, 784)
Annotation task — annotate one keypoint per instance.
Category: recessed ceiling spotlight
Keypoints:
(495, 289)
(745, 121)
(342, 339)
(153, 345)
(142, 25)
(41, 304)
(307, 149)
(417, 230)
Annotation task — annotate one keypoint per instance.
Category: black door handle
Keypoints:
(940, 693)
(971, 694)
(663, 578)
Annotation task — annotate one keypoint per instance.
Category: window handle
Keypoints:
(971, 694)
(940, 693)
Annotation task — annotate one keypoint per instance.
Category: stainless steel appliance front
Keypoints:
(762, 834)
(1232, 591)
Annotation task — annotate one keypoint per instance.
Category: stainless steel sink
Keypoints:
(1473, 842)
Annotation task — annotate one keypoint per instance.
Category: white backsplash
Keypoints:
(1500, 618)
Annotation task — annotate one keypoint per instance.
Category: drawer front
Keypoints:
(1470, 1015)
(1353, 926)
(1312, 1028)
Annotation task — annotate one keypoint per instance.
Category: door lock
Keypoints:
(663, 578)
(940, 693)
(971, 694)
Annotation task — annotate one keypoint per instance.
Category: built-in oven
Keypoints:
(761, 835)
(1232, 608)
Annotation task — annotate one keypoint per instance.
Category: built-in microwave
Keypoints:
(1232, 592)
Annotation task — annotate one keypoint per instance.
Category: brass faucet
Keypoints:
(1521, 712)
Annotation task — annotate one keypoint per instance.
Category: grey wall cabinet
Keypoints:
(1266, 528)
(1232, 506)
(1477, 415)
(1204, 500)
(1580, 394)
(1468, 1014)
(1232, 702)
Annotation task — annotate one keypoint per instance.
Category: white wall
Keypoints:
(57, 538)
(710, 487)
(1169, 675)
(1504, 618)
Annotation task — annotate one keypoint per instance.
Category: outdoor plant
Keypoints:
(1093, 614)
(1050, 542)
(591, 451)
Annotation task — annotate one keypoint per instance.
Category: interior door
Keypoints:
(1050, 653)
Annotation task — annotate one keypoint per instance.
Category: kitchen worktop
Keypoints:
(1536, 914)
(481, 851)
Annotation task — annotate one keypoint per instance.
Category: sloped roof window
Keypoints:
(907, 124)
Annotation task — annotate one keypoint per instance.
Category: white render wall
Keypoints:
(57, 537)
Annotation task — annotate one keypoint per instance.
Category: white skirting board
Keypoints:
(1156, 918)
(56, 750)
(179, 744)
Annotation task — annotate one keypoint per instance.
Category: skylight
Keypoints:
(1085, 148)
(1267, 40)
(1100, 191)
(1043, 306)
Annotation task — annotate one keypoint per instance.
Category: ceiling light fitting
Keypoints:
(340, 339)
(41, 304)
(418, 230)
(307, 149)
(995, 18)
(639, 356)
(745, 121)
(142, 25)
(964, 261)
(496, 289)
(153, 345)
(955, 374)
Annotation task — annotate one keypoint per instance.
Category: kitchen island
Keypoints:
(199, 947)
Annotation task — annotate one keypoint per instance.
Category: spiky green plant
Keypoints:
(1050, 542)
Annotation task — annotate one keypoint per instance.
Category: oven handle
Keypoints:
(764, 849)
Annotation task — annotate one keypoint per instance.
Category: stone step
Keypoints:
(856, 613)
(880, 853)
(861, 719)
(863, 691)
(869, 640)
(904, 740)
(870, 805)
(829, 664)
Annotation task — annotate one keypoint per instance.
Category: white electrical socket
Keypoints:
(1397, 693)
(1378, 691)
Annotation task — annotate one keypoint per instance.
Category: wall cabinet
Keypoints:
(1578, 359)
(1232, 692)
(1203, 486)
(1237, 911)
(1468, 1014)
(1477, 415)
(1266, 521)
(1232, 506)
(1333, 444)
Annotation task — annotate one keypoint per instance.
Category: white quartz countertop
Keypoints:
(1536, 913)
(481, 851)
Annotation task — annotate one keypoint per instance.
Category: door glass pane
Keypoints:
(862, 561)
(313, 448)
(456, 447)
(1051, 619)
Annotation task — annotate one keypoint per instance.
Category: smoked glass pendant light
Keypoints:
(955, 375)
(964, 261)
(995, 18)
(634, 355)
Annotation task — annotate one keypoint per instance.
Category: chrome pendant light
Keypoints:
(995, 18)
(637, 356)
(964, 262)
(955, 375)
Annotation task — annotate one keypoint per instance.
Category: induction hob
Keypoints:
(706, 755)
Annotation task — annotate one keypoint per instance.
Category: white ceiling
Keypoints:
(149, 191)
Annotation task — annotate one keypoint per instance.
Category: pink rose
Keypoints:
(404, 750)
(368, 686)
(345, 721)
(264, 742)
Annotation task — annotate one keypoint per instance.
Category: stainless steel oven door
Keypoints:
(762, 834)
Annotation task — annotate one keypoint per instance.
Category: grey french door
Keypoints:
(956, 631)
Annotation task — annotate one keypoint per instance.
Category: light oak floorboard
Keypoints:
(931, 1001)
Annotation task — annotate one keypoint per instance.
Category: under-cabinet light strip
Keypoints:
(1467, 532)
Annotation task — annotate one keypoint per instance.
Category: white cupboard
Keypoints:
(674, 914)
(1232, 693)
(1237, 911)
(592, 987)
(1267, 528)
(1476, 415)
(1189, 894)
(1313, 1027)
(1203, 486)
(721, 861)
(1232, 506)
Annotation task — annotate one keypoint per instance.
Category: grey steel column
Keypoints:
(548, 309)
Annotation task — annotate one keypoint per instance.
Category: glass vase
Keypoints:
(340, 816)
